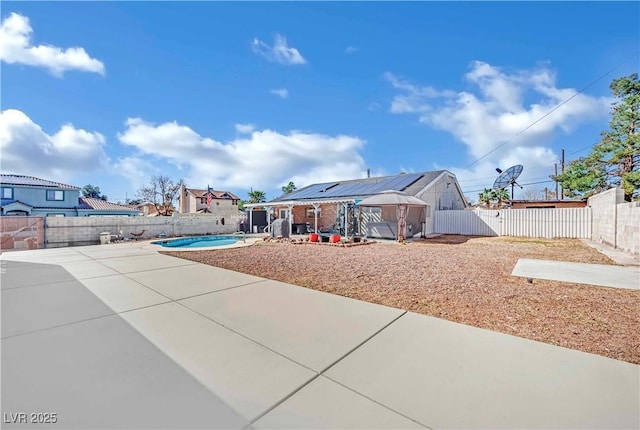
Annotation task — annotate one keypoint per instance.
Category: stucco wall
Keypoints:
(443, 195)
(603, 207)
(38, 197)
(188, 203)
(60, 232)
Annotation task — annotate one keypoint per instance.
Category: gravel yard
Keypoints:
(462, 279)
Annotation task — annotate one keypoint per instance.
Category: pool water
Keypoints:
(197, 242)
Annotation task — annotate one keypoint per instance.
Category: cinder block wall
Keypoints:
(603, 207)
(628, 227)
(78, 231)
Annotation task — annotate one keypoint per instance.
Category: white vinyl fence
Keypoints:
(547, 223)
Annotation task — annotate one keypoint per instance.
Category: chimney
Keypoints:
(368, 173)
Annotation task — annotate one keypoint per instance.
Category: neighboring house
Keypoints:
(334, 205)
(192, 200)
(98, 207)
(147, 209)
(30, 196)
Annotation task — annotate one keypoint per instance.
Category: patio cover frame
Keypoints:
(292, 203)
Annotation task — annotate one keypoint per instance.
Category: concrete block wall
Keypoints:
(79, 231)
(603, 208)
(223, 222)
(628, 227)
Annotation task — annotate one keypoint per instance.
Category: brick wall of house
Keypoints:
(326, 218)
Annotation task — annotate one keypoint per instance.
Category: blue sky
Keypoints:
(241, 95)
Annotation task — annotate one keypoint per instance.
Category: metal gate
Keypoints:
(21, 232)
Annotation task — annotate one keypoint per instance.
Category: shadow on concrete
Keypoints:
(64, 352)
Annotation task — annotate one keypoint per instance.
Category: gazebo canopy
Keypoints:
(392, 198)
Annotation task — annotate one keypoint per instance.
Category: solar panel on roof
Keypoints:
(313, 191)
(368, 186)
(401, 182)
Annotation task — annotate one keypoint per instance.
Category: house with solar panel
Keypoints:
(29, 196)
(334, 207)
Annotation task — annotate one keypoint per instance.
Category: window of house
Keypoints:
(310, 213)
(7, 193)
(57, 195)
(283, 213)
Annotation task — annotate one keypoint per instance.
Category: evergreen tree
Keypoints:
(615, 159)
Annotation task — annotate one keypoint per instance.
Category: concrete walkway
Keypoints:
(581, 273)
(119, 336)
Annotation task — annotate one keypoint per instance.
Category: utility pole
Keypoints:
(556, 169)
(546, 193)
(562, 188)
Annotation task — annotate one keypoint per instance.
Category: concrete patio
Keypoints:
(119, 336)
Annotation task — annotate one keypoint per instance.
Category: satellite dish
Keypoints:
(508, 177)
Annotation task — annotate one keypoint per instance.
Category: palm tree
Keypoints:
(501, 195)
(486, 196)
(257, 196)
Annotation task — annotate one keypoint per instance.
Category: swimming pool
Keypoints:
(197, 242)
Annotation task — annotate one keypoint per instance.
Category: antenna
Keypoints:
(508, 177)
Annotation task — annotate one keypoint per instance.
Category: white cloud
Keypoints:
(244, 128)
(280, 52)
(28, 150)
(351, 50)
(502, 106)
(414, 98)
(137, 170)
(282, 93)
(263, 160)
(16, 47)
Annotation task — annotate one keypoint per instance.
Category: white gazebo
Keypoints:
(403, 203)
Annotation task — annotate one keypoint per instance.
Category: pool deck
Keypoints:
(120, 336)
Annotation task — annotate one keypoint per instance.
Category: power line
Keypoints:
(530, 183)
(552, 110)
(581, 149)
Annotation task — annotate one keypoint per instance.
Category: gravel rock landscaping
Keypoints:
(462, 279)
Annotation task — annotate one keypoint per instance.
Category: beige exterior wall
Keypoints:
(191, 204)
(443, 194)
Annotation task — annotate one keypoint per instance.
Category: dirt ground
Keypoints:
(462, 279)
